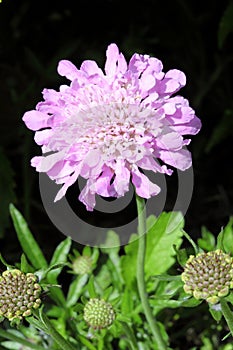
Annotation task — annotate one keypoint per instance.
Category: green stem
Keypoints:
(227, 314)
(141, 274)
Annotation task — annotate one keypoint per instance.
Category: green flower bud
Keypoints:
(19, 294)
(82, 265)
(208, 276)
(98, 313)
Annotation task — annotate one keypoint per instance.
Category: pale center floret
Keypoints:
(116, 130)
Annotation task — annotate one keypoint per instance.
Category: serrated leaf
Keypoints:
(26, 239)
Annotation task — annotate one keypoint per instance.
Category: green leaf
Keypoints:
(207, 242)
(19, 340)
(182, 256)
(7, 185)
(226, 25)
(127, 303)
(112, 243)
(86, 342)
(216, 312)
(76, 289)
(27, 241)
(225, 238)
(161, 239)
(24, 265)
(164, 233)
(59, 257)
(91, 288)
(57, 337)
(3, 261)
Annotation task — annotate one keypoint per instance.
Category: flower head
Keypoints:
(208, 276)
(98, 313)
(19, 294)
(108, 127)
(82, 265)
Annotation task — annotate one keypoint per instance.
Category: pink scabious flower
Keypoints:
(108, 127)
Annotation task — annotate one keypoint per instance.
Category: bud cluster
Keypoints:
(82, 265)
(208, 276)
(98, 313)
(19, 294)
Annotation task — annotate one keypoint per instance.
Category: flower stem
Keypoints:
(227, 314)
(140, 273)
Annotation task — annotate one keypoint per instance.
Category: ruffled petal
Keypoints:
(87, 197)
(36, 120)
(67, 69)
(122, 177)
(71, 180)
(91, 68)
(144, 187)
(180, 159)
(111, 61)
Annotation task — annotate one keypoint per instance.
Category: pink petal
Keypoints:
(71, 180)
(42, 137)
(36, 120)
(121, 181)
(67, 69)
(192, 128)
(92, 164)
(147, 82)
(35, 162)
(102, 185)
(87, 197)
(144, 187)
(177, 75)
(122, 64)
(91, 68)
(169, 141)
(49, 161)
(111, 61)
(149, 163)
(180, 159)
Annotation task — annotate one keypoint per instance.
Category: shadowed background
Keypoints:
(191, 36)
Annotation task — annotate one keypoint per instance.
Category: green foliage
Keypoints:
(26, 239)
(164, 233)
(59, 323)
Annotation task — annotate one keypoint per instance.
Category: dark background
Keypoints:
(192, 36)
